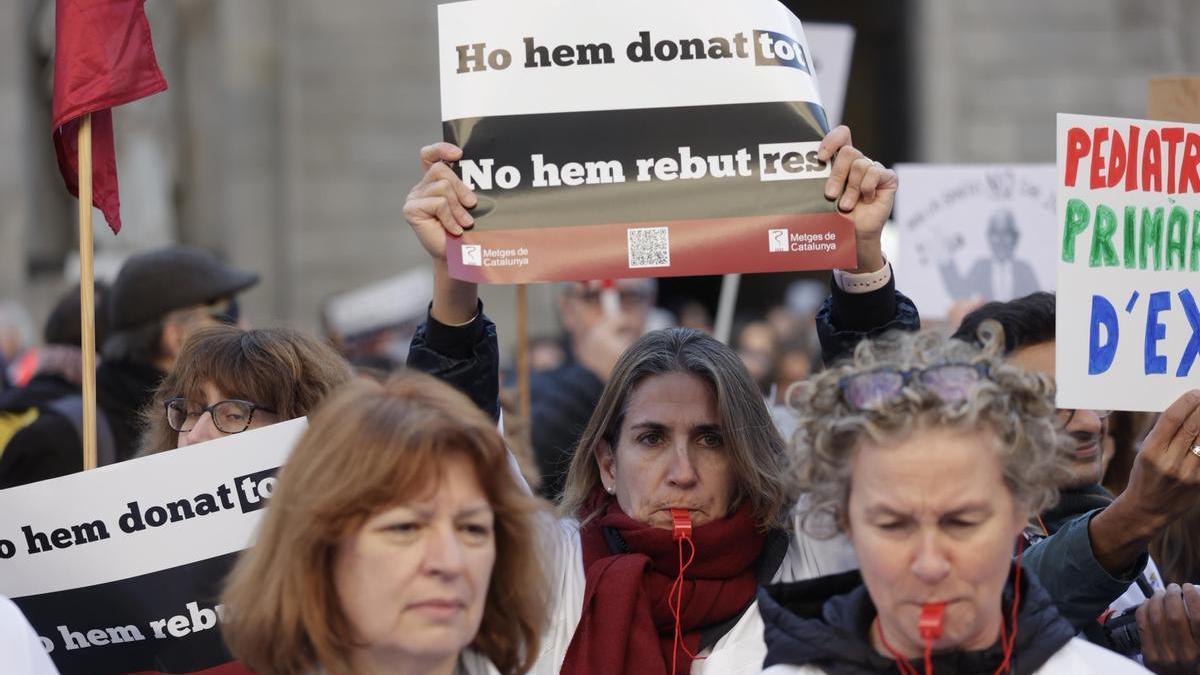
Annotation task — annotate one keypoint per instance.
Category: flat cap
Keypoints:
(154, 283)
(62, 326)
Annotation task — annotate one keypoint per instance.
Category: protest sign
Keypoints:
(625, 139)
(974, 232)
(1128, 318)
(832, 47)
(119, 569)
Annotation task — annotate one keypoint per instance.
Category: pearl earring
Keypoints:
(611, 490)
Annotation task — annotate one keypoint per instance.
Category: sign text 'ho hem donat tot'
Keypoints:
(637, 139)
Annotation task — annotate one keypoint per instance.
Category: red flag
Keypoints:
(103, 58)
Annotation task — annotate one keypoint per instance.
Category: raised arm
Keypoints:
(457, 343)
(864, 301)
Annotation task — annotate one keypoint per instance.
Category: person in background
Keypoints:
(397, 541)
(798, 359)
(58, 375)
(158, 299)
(562, 399)
(1177, 550)
(23, 651)
(16, 335)
(1126, 430)
(1091, 550)
(758, 347)
(930, 456)
(546, 354)
(228, 380)
(680, 425)
(693, 314)
(864, 300)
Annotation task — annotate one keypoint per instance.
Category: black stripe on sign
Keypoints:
(121, 611)
(627, 136)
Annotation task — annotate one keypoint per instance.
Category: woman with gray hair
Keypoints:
(930, 456)
(672, 509)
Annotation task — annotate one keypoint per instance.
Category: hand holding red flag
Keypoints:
(103, 58)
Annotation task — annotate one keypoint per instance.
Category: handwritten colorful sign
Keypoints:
(1128, 333)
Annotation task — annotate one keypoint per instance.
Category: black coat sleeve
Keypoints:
(845, 319)
(466, 357)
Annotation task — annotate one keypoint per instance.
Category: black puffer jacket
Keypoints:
(825, 622)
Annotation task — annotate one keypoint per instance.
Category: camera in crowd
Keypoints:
(1122, 632)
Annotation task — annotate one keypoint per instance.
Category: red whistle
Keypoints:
(930, 623)
(683, 524)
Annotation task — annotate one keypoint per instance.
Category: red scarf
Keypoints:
(626, 625)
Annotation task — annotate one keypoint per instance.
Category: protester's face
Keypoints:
(671, 453)
(180, 324)
(204, 429)
(794, 365)
(756, 347)
(932, 521)
(412, 581)
(581, 307)
(545, 356)
(1084, 427)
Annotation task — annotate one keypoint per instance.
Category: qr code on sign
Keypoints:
(649, 247)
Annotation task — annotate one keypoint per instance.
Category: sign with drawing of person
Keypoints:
(975, 232)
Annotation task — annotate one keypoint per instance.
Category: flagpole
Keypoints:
(87, 298)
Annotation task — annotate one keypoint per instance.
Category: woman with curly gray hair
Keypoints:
(930, 455)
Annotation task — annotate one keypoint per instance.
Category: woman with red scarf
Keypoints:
(674, 506)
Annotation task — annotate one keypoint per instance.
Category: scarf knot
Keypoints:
(626, 624)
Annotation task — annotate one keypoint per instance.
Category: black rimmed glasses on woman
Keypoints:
(231, 416)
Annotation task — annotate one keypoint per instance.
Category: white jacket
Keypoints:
(20, 649)
(738, 652)
(1077, 657)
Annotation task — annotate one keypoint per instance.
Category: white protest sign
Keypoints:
(971, 232)
(832, 47)
(625, 139)
(1128, 329)
(119, 568)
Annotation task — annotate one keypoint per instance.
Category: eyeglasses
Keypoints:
(1065, 415)
(231, 416)
(872, 390)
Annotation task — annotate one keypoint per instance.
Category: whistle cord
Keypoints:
(902, 663)
(1010, 641)
(675, 603)
(1007, 640)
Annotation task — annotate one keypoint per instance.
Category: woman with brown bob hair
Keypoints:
(228, 380)
(398, 540)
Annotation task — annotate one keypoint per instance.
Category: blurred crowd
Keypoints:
(838, 489)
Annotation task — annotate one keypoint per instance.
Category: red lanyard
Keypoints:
(930, 627)
(681, 533)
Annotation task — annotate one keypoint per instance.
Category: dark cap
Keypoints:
(62, 326)
(152, 284)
